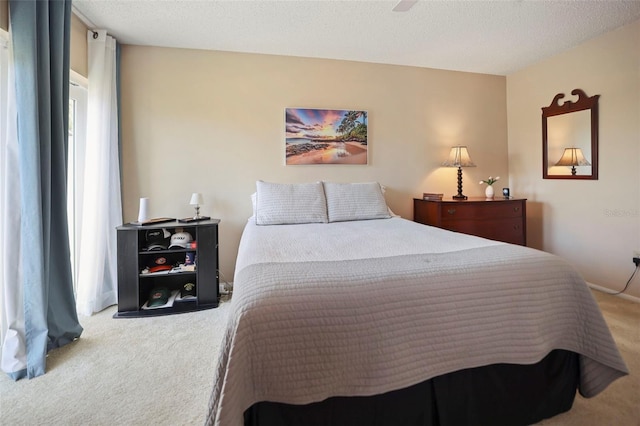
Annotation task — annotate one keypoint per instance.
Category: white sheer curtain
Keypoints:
(102, 206)
(14, 357)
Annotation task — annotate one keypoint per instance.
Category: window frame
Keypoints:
(78, 88)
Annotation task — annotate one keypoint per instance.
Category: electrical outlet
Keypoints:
(636, 253)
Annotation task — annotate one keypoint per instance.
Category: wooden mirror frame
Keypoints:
(583, 103)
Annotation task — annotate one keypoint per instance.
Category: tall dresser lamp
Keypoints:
(459, 157)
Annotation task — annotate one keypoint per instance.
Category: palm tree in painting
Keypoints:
(363, 114)
(352, 130)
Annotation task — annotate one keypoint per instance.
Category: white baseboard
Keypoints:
(608, 290)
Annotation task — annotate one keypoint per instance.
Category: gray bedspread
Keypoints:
(301, 332)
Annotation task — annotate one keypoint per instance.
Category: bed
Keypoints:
(343, 313)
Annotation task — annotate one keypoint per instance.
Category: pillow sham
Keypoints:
(283, 204)
(355, 201)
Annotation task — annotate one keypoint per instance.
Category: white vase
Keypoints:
(488, 192)
(143, 213)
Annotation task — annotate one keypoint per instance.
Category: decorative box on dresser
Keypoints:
(499, 219)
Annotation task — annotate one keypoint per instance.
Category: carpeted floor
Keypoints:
(159, 371)
(147, 371)
(619, 404)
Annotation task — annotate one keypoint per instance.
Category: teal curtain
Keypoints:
(40, 32)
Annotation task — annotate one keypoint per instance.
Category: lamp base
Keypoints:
(459, 196)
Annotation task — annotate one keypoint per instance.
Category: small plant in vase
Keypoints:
(488, 192)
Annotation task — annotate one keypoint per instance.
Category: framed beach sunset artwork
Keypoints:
(325, 136)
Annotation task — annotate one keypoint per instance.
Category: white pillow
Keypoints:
(281, 203)
(355, 201)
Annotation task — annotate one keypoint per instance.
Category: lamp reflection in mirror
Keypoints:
(459, 157)
(572, 157)
(196, 200)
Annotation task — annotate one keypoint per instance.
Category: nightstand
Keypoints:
(135, 284)
(498, 219)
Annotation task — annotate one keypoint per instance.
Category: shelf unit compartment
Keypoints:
(173, 282)
(170, 258)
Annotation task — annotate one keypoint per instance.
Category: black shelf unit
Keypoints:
(134, 287)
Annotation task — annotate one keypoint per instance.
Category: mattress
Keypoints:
(365, 307)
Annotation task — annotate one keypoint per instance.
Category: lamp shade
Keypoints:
(572, 157)
(196, 199)
(459, 157)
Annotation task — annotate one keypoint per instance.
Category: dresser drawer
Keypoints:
(508, 230)
(481, 211)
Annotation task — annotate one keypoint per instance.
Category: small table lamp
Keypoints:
(572, 157)
(459, 157)
(196, 200)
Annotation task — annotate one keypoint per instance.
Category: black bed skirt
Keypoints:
(500, 394)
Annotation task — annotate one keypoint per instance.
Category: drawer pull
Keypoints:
(451, 211)
(515, 209)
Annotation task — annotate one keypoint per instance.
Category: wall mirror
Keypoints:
(570, 138)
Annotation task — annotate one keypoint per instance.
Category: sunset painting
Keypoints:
(325, 136)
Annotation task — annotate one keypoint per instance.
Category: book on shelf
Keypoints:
(154, 221)
(193, 219)
(432, 196)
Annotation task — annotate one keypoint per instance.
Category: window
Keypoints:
(4, 172)
(4, 74)
(75, 167)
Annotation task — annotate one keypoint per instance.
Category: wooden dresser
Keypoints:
(497, 219)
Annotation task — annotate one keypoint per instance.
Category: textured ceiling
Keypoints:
(491, 37)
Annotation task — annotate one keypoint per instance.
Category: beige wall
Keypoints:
(213, 122)
(593, 224)
(78, 56)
